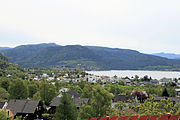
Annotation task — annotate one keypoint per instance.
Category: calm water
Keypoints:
(130, 73)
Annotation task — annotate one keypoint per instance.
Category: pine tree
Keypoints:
(165, 93)
(66, 109)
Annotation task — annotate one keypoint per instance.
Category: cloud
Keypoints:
(136, 24)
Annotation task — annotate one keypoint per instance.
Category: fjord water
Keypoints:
(130, 73)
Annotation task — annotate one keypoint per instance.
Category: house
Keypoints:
(164, 81)
(177, 91)
(91, 78)
(127, 81)
(145, 83)
(80, 101)
(73, 94)
(28, 109)
(3, 105)
(155, 82)
(50, 78)
(123, 98)
(44, 75)
(75, 97)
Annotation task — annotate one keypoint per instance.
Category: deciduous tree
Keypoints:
(18, 89)
(66, 109)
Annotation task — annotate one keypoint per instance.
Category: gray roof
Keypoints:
(22, 106)
(73, 93)
(176, 99)
(123, 98)
(78, 101)
(55, 101)
(154, 81)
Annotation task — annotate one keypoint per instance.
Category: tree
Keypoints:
(165, 93)
(162, 107)
(3, 115)
(5, 83)
(141, 95)
(37, 96)
(3, 94)
(32, 88)
(87, 91)
(66, 109)
(47, 91)
(120, 105)
(101, 101)
(78, 71)
(18, 89)
(86, 112)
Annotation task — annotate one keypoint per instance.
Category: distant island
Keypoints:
(86, 58)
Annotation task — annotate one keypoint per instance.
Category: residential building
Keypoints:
(28, 109)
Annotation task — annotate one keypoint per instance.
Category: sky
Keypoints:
(149, 26)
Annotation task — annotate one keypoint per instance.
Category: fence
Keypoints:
(143, 117)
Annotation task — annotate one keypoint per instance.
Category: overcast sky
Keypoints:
(145, 25)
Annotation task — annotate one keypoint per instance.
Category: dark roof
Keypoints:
(154, 81)
(123, 98)
(22, 106)
(2, 104)
(77, 101)
(73, 93)
(175, 99)
(55, 101)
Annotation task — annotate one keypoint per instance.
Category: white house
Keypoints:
(91, 78)
(177, 91)
(165, 81)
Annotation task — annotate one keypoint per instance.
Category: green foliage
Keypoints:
(37, 96)
(3, 115)
(162, 107)
(120, 105)
(101, 101)
(18, 89)
(86, 112)
(5, 83)
(3, 94)
(66, 109)
(76, 56)
(47, 91)
(87, 91)
(32, 88)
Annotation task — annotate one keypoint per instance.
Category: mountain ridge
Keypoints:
(85, 57)
(168, 55)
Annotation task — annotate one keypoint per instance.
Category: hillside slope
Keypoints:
(7, 68)
(85, 57)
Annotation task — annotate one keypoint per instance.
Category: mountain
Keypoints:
(7, 68)
(19, 53)
(86, 57)
(3, 61)
(117, 58)
(4, 48)
(168, 55)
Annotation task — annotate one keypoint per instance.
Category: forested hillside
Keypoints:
(7, 68)
(86, 57)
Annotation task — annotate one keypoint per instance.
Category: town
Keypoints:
(36, 94)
